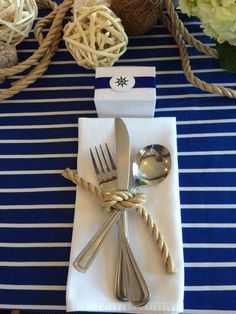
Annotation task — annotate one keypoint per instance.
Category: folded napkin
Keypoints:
(94, 290)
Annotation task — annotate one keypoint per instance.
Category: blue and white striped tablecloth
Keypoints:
(38, 139)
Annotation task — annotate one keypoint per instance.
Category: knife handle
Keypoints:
(121, 285)
(89, 252)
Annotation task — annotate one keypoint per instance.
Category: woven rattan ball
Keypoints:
(16, 20)
(95, 37)
(137, 16)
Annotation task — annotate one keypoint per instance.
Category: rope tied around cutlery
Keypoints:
(125, 201)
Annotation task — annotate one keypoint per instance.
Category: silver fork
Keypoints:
(108, 182)
(129, 282)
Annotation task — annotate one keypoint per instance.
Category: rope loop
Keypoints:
(122, 200)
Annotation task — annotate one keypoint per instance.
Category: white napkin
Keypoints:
(94, 290)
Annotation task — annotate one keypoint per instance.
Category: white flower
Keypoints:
(218, 17)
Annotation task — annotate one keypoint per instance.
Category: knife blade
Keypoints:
(123, 154)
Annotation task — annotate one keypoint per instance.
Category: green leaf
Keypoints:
(227, 56)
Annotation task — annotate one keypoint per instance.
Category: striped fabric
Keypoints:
(38, 139)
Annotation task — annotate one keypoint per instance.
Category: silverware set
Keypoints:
(151, 165)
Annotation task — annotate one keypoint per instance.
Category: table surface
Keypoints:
(39, 138)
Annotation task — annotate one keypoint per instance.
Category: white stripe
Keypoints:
(209, 206)
(139, 59)
(38, 126)
(53, 88)
(207, 153)
(207, 170)
(75, 125)
(188, 96)
(33, 287)
(209, 245)
(190, 85)
(205, 121)
(196, 135)
(33, 190)
(211, 264)
(60, 75)
(210, 288)
(46, 140)
(37, 156)
(30, 172)
(35, 244)
(208, 225)
(73, 112)
(34, 264)
(169, 72)
(208, 188)
(39, 206)
(35, 225)
(200, 108)
(49, 113)
(84, 112)
(33, 307)
(144, 47)
(48, 100)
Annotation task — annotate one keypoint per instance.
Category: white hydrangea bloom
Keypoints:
(218, 17)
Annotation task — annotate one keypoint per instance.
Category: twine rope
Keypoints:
(42, 56)
(180, 34)
(126, 201)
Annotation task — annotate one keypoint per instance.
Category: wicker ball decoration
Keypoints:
(137, 16)
(95, 37)
(16, 19)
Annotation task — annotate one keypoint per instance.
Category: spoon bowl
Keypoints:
(151, 165)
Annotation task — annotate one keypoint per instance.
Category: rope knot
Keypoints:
(122, 200)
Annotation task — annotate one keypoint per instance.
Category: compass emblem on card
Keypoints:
(122, 82)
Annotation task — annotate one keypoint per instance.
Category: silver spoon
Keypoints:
(151, 165)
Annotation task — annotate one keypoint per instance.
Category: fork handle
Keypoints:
(89, 252)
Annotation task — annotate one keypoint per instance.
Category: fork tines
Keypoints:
(103, 163)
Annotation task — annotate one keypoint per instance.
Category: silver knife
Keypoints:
(130, 283)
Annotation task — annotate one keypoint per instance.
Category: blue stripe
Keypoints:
(11, 198)
(209, 235)
(31, 235)
(49, 163)
(34, 297)
(208, 215)
(210, 300)
(42, 215)
(208, 197)
(140, 82)
(40, 254)
(207, 276)
(209, 255)
(35, 275)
